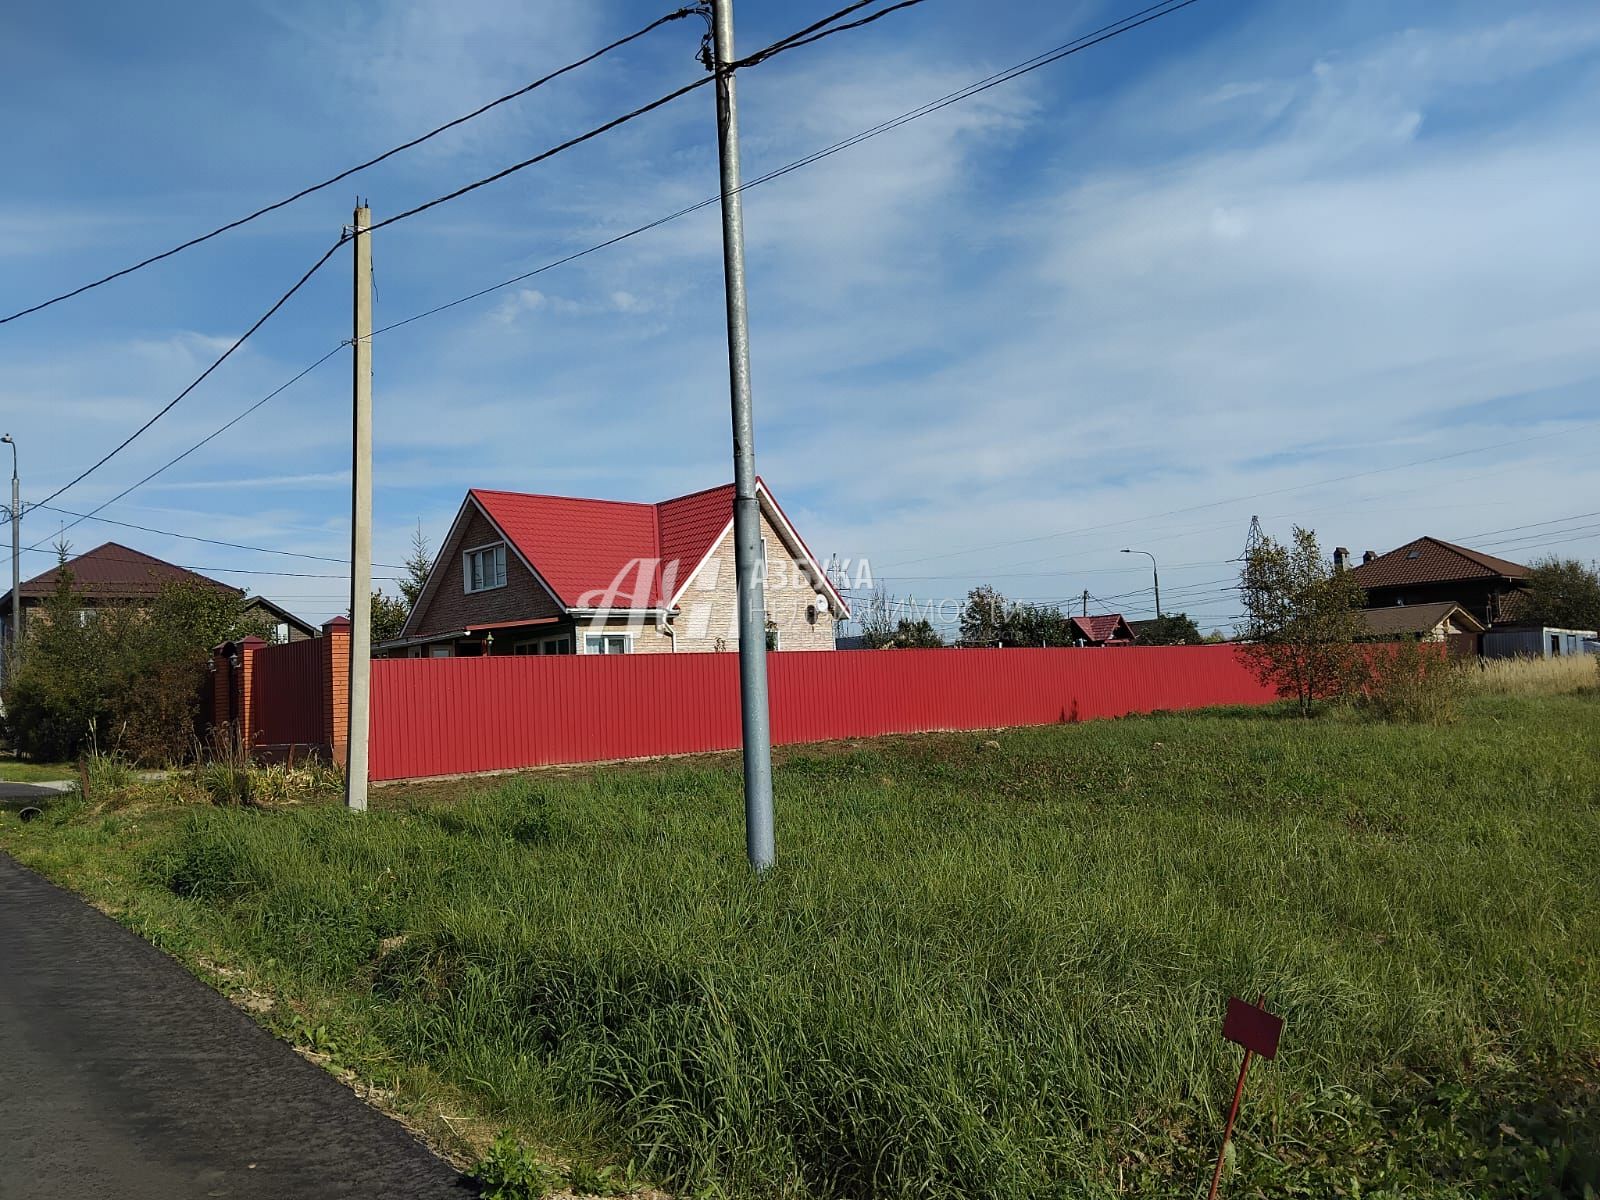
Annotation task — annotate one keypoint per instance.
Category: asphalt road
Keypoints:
(122, 1076)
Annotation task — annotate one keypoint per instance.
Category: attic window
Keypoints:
(484, 568)
(1414, 554)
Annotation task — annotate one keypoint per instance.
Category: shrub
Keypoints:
(1413, 681)
(136, 672)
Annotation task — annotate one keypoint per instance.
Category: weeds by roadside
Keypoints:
(1563, 676)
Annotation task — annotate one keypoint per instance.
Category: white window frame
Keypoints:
(503, 574)
(625, 638)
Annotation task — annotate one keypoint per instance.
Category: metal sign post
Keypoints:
(1258, 1031)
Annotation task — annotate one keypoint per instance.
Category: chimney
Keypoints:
(1340, 557)
(1368, 557)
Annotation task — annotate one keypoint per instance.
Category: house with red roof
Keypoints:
(522, 574)
(1106, 630)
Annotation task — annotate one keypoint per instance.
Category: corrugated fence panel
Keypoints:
(286, 694)
(459, 715)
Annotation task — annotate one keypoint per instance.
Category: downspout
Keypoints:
(664, 625)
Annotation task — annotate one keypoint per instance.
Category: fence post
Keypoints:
(246, 705)
(221, 691)
(336, 688)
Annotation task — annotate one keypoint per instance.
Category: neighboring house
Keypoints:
(1428, 571)
(550, 575)
(107, 575)
(1422, 622)
(1535, 641)
(1108, 630)
(114, 574)
(276, 621)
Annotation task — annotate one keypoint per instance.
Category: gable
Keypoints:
(445, 606)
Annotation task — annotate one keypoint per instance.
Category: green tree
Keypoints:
(915, 635)
(417, 568)
(1301, 620)
(989, 619)
(389, 615)
(123, 677)
(1563, 594)
(1171, 629)
(982, 617)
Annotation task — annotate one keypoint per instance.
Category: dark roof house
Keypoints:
(1428, 570)
(1428, 622)
(110, 573)
(1106, 630)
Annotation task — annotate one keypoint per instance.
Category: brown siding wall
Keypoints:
(445, 606)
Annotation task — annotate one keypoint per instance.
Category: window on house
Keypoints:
(484, 568)
(605, 643)
(444, 650)
(556, 645)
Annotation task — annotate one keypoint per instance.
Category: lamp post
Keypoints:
(1154, 575)
(16, 551)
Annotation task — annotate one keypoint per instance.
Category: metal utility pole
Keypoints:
(1154, 575)
(753, 712)
(355, 774)
(16, 555)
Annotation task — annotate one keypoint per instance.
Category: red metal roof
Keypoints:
(1429, 560)
(1100, 630)
(588, 551)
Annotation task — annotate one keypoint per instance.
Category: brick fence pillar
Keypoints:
(336, 688)
(249, 719)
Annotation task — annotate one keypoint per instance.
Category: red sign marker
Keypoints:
(1257, 1030)
(1254, 1028)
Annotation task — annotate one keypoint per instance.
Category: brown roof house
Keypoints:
(1105, 630)
(1430, 571)
(118, 574)
(1423, 622)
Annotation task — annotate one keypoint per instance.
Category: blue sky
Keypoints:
(1130, 299)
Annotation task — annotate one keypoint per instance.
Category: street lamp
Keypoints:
(1154, 575)
(16, 550)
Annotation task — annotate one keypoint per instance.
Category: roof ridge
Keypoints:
(554, 496)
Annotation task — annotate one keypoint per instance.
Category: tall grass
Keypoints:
(979, 972)
(1536, 676)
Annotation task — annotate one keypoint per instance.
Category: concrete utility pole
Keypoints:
(1086, 602)
(355, 773)
(754, 716)
(1154, 575)
(16, 555)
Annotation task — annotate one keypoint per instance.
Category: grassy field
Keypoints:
(979, 970)
(14, 771)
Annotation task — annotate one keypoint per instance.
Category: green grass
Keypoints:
(15, 771)
(975, 972)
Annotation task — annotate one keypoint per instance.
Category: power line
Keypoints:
(759, 56)
(171, 462)
(145, 561)
(222, 358)
(687, 11)
(190, 537)
(1083, 42)
(1252, 496)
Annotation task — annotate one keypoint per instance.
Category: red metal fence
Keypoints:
(286, 694)
(458, 715)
